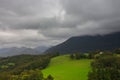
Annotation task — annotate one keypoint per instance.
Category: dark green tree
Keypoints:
(72, 56)
(31, 75)
(49, 78)
(90, 56)
(105, 68)
(117, 51)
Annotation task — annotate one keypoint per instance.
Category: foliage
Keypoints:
(117, 51)
(107, 67)
(26, 75)
(31, 75)
(91, 56)
(78, 56)
(5, 76)
(23, 66)
(72, 56)
(17, 64)
(49, 78)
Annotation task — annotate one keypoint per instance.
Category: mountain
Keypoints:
(88, 43)
(4, 52)
(41, 49)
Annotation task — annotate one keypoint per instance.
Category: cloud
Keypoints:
(104, 14)
(34, 23)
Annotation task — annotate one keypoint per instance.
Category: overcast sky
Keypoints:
(32, 23)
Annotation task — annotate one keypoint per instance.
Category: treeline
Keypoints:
(94, 54)
(26, 75)
(78, 56)
(23, 67)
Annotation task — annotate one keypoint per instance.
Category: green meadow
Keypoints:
(63, 68)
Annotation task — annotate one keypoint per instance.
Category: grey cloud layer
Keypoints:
(48, 22)
(105, 13)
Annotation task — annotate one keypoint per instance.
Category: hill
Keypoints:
(63, 68)
(19, 63)
(88, 43)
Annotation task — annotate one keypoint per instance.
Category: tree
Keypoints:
(78, 56)
(5, 76)
(49, 78)
(117, 51)
(105, 68)
(27, 75)
(72, 56)
(90, 56)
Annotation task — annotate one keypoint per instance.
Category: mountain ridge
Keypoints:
(88, 43)
(12, 51)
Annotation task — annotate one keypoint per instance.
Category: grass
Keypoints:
(63, 68)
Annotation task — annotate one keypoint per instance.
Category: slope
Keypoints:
(88, 43)
(63, 68)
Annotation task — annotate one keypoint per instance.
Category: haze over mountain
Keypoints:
(88, 43)
(12, 51)
(41, 49)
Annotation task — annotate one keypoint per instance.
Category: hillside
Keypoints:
(19, 63)
(88, 43)
(63, 68)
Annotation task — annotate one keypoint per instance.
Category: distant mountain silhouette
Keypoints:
(88, 43)
(41, 49)
(4, 52)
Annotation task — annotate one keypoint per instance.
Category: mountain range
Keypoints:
(74, 44)
(4, 52)
(88, 43)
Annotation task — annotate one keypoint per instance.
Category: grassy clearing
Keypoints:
(63, 68)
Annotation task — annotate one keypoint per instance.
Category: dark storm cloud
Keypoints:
(105, 13)
(23, 7)
(48, 22)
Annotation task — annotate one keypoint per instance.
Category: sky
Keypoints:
(32, 23)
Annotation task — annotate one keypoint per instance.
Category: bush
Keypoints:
(49, 78)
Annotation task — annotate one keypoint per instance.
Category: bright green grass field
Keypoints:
(63, 68)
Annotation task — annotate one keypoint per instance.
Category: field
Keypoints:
(63, 68)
